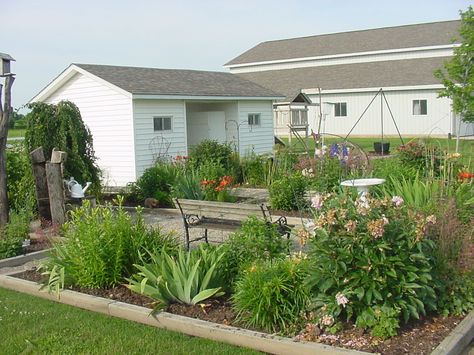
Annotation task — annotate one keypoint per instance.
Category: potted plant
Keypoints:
(382, 147)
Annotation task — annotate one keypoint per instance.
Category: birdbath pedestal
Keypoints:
(362, 185)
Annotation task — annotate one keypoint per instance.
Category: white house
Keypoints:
(346, 70)
(137, 115)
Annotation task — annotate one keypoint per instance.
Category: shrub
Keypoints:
(100, 247)
(188, 277)
(368, 254)
(288, 192)
(419, 156)
(20, 183)
(12, 236)
(212, 151)
(156, 182)
(254, 168)
(256, 240)
(188, 186)
(272, 295)
(61, 126)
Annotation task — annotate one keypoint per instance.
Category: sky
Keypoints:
(46, 36)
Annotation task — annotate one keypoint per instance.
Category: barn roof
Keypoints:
(409, 72)
(399, 37)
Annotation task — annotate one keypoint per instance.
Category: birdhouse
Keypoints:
(5, 60)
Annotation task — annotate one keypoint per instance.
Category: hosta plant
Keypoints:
(188, 277)
(369, 255)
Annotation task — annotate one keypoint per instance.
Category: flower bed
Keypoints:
(419, 337)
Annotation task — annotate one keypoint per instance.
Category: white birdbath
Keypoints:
(362, 185)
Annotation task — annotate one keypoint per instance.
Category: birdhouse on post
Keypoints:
(5, 60)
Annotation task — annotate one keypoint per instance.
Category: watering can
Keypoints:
(76, 189)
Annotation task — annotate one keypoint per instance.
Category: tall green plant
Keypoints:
(60, 126)
(100, 247)
(272, 295)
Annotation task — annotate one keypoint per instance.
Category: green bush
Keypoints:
(272, 295)
(20, 183)
(420, 156)
(254, 168)
(287, 193)
(156, 182)
(255, 240)
(100, 247)
(212, 151)
(188, 277)
(12, 236)
(367, 254)
(60, 126)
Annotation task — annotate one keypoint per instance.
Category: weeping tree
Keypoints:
(458, 74)
(60, 126)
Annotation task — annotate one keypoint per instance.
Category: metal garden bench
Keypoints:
(223, 216)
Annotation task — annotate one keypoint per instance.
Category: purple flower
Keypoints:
(334, 150)
(317, 202)
(397, 201)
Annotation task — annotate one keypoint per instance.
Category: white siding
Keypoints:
(148, 142)
(256, 138)
(436, 122)
(108, 114)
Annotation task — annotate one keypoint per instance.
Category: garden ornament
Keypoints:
(76, 189)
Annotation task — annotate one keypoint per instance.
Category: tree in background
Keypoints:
(60, 126)
(458, 74)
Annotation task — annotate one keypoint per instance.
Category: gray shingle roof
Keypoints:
(408, 36)
(177, 82)
(350, 76)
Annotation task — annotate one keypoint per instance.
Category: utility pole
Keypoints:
(5, 112)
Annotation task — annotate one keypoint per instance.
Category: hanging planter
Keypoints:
(382, 148)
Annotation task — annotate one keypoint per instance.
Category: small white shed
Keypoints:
(139, 114)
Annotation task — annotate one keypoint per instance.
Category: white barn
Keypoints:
(346, 70)
(139, 114)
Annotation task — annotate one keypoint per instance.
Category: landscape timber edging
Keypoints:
(195, 327)
(22, 259)
(458, 339)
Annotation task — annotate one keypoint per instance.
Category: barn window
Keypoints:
(340, 109)
(254, 119)
(162, 123)
(420, 107)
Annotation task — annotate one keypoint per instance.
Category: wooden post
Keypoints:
(39, 172)
(54, 178)
(5, 113)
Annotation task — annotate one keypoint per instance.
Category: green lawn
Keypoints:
(466, 147)
(13, 133)
(32, 325)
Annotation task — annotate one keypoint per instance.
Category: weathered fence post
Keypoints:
(39, 171)
(54, 177)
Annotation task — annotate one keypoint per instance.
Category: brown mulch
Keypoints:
(38, 244)
(419, 337)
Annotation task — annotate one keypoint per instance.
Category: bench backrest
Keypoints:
(223, 210)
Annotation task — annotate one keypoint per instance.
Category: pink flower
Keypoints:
(341, 299)
(397, 201)
(317, 202)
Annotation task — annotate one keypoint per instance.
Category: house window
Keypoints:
(420, 107)
(340, 109)
(254, 119)
(162, 123)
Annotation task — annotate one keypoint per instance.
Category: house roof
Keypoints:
(6, 56)
(408, 36)
(409, 72)
(152, 81)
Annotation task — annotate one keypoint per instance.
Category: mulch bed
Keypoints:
(419, 337)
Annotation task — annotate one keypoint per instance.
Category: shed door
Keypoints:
(216, 124)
